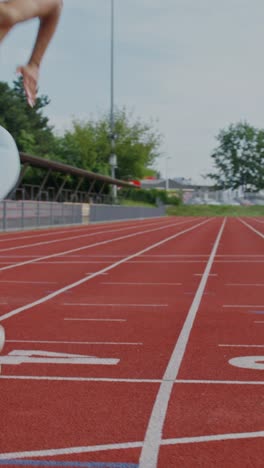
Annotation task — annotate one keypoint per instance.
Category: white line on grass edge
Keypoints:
(153, 437)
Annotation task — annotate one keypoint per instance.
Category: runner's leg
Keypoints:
(17, 11)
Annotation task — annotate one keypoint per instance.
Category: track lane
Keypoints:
(138, 243)
(153, 437)
(232, 396)
(148, 359)
(66, 247)
(61, 232)
(72, 272)
(145, 324)
(88, 232)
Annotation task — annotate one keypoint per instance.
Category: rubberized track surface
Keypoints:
(134, 344)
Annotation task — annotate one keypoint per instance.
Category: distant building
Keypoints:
(176, 185)
(172, 184)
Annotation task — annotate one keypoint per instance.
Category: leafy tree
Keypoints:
(137, 146)
(88, 146)
(29, 127)
(239, 158)
(152, 196)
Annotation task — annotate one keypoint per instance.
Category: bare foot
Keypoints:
(30, 75)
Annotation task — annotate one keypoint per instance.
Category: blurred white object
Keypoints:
(9, 163)
(2, 337)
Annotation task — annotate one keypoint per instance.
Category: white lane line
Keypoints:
(89, 234)
(18, 256)
(101, 343)
(89, 262)
(239, 346)
(258, 220)
(60, 263)
(245, 284)
(6, 263)
(79, 379)
(239, 261)
(86, 235)
(220, 382)
(37, 235)
(175, 255)
(28, 282)
(92, 272)
(88, 256)
(54, 262)
(237, 306)
(166, 262)
(152, 442)
(94, 320)
(134, 381)
(214, 438)
(94, 275)
(258, 322)
(43, 234)
(240, 255)
(105, 242)
(252, 229)
(141, 284)
(130, 445)
(68, 304)
(125, 255)
(201, 274)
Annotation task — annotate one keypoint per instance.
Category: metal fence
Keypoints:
(223, 197)
(115, 213)
(50, 194)
(24, 214)
(16, 215)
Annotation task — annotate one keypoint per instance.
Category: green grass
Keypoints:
(217, 210)
(136, 203)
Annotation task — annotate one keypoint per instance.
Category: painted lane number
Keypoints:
(16, 358)
(248, 362)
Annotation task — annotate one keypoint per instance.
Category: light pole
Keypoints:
(113, 158)
(166, 174)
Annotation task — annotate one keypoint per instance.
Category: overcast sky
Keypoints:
(195, 66)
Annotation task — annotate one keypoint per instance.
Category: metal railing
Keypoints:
(34, 193)
(23, 214)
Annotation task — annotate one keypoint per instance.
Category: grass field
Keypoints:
(215, 210)
(136, 203)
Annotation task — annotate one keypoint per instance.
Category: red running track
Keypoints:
(134, 344)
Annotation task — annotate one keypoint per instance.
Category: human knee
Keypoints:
(8, 15)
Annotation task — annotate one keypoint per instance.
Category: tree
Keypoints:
(88, 145)
(29, 127)
(239, 158)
